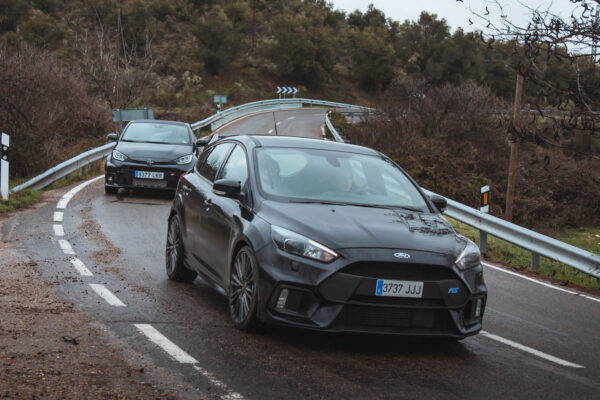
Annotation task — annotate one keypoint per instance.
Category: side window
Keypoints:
(236, 167)
(214, 160)
(202, 158)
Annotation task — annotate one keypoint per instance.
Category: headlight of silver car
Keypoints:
(302, 246)
(185, 159)
(469, 257)
(117, 155)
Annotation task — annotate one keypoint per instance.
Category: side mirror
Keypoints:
(201, 143)
(112, 137)
(227, 188)
(439, 202)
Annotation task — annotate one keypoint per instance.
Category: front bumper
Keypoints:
(340, 297)
(122, 175)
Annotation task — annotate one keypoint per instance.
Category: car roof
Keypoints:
(158, 121)
(301, 142)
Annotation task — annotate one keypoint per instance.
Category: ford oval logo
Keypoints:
(401, 255)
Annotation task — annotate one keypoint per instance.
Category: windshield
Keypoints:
(309, 175)
(156, 133)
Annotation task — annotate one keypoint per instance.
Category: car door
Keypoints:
(199, 240)
(221, 221)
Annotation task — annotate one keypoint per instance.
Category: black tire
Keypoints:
(243, 291)
(110, 190)
(176, 271)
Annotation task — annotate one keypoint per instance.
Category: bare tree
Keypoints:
(545, 41)
(118, 68)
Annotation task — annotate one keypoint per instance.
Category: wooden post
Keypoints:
(514, 148)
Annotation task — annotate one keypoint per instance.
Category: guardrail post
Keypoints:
(483, 241)
(4, 143)
(84, 170)
(535, 261)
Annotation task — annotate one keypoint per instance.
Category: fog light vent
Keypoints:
(478, 304)
(109, 178)
(283, 295)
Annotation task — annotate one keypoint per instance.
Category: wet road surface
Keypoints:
(120, 240)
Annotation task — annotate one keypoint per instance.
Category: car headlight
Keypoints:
(185, 159)
(469, 257)
(117, 155)
(302, 246)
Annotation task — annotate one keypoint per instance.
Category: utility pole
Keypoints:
(514, 148)
(253, 22)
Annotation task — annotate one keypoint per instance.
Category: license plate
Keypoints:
(149, 175)
(399, 288)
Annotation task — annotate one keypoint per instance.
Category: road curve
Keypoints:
(540, 343)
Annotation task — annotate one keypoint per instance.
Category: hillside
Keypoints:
(65, 64)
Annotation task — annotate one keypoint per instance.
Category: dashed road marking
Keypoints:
(66, 247)
(540, 282)
(107, 295)
(58, 216)
(80, 267)
(58, 230)
(164, 343)
(178, 354)
(291, 117)
(279, 123)
(270, 131)
(530, 350)
(216, 382)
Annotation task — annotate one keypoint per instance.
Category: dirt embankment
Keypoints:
(49, 349)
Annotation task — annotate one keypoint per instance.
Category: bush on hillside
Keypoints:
(46, 110)
(453, 140)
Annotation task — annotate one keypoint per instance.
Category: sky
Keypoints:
(457, 14)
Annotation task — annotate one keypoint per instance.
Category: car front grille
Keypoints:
(400, 271)
(364, 316)
(396, 301)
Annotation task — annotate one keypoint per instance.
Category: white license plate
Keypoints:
(149, 175)
(391, 288)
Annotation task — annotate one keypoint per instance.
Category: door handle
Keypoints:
(186, 189)
(208, 202)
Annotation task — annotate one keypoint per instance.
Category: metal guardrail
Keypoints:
(65, 168)
(332, 129)
(536, 243)
(220, 119)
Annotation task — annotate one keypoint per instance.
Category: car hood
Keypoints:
(153, 151)
(340, 227)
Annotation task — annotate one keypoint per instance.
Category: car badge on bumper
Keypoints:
(402, 255)
(150, 163)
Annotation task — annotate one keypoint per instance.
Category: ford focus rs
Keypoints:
(150, 154)
(322, 235)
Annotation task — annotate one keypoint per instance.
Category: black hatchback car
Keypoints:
(322, 235)
(150, 154)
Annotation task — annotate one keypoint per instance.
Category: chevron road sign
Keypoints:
(284, 90)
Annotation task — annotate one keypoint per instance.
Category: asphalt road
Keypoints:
(542, 342)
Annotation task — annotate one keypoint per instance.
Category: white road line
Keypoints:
(291, 117)
(58, 230)
(530, 350)
(279, 123)
(540, 282)
(80, 267)
(107, 295)
(216, 382)
(66, 247)
(270, 131)
(69, 195)
(58, 216)
(164, 343)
